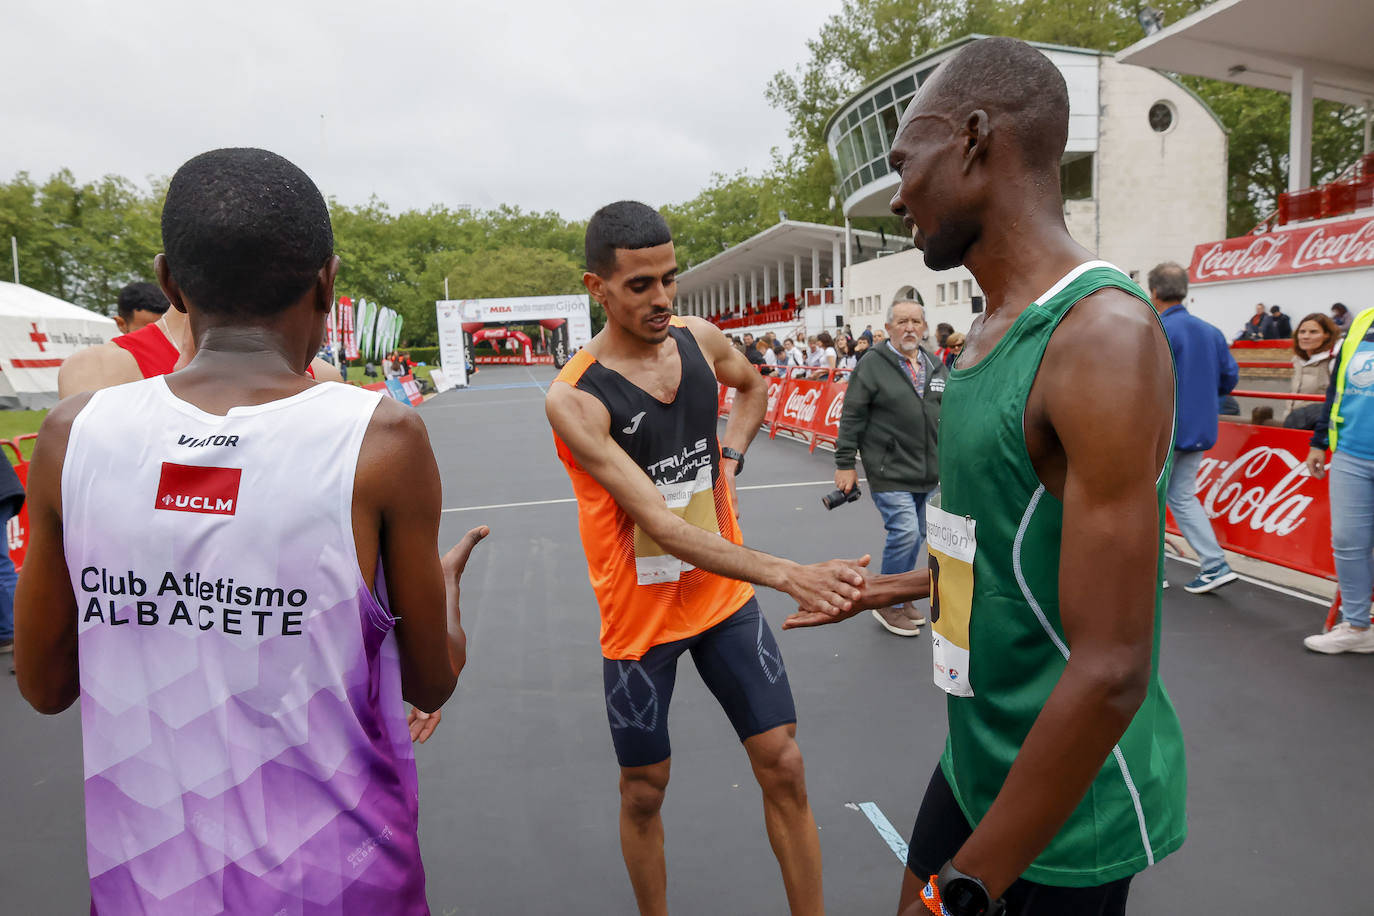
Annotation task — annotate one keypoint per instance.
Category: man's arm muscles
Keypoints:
(735, 371)
(1108, 569)
(398, 475)
(45, 609)
(583, 424)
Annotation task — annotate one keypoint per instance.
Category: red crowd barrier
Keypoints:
(17, 531)
(1254, 486)
(807, 406)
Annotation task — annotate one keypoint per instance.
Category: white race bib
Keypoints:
(952, 547)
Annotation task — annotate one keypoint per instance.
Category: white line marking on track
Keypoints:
(884, 827)
(537, 502)
(1292, 593)
(535, 380)
(552, 502)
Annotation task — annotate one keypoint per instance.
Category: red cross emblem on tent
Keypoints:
(38, 337)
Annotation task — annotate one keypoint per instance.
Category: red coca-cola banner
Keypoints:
(1255, 487)
(811, 407)
(1333, 246)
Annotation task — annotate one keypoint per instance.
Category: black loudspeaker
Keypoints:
(977, 304)
(839, 321)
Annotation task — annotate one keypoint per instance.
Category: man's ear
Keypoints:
(324, 284)
(169, 286)
(596, 286)
(977, 136)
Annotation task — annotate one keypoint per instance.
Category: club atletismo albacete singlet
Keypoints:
(647, 596)
(244, 734)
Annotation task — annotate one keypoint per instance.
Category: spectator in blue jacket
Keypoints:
(1205, 370)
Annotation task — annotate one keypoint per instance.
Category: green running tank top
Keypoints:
(999, 645)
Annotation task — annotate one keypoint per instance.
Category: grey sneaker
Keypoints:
(1342, 638)
(895, 621)
(6, 646)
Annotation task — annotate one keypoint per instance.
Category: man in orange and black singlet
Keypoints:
(634, 419)
(145, 349)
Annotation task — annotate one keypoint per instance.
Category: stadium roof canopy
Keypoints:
(790, 257)
(1313, 49)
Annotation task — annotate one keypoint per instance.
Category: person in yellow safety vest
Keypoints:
(1348, 422)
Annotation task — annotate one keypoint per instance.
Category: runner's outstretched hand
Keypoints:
(456, 560)
(828, 588)
(423, 724)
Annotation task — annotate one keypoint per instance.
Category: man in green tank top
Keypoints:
(1063, 774)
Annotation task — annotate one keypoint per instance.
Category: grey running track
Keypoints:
(518, 787)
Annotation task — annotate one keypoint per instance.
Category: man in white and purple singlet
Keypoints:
(241, 671)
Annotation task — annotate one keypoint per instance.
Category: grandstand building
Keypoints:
(1143, 175)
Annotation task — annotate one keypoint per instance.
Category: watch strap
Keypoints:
(949, 874)
(736, 456)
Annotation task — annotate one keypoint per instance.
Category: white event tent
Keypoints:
(37, 332)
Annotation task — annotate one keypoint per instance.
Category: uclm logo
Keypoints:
(187, 488)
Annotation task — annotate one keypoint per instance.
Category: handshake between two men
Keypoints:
(843, 588)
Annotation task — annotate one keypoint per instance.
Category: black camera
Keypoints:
(840, 497)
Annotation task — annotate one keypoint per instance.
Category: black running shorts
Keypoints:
(738, 659)
(941, 829)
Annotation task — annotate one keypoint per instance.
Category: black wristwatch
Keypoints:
(735, 455)
(965, 895)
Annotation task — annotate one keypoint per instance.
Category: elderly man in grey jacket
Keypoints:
(891, 419)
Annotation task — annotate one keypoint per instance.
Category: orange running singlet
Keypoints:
(647, 596)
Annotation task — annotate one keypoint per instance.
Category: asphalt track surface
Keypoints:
(518, 791)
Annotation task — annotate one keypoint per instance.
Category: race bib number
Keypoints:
(695, 501)
(952, 544)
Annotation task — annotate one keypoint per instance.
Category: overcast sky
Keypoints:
(542, 104)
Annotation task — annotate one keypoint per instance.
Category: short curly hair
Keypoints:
(244, 231)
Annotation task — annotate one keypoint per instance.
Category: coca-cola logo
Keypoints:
(1236, 492)
(1328, 247)
(801, 406)
(832, 413)
(1261, 256)
(1319, 249)
(774, 389)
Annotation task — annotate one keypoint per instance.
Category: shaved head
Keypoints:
(1022, 91)
(987, 130)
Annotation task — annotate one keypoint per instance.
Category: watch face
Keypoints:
(964, 897)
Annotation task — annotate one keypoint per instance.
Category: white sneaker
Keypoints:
(1342, 638)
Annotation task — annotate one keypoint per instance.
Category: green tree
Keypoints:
(867, 38)
(81, 242)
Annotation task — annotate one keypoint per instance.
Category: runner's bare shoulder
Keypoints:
(571, 412)
(707, 335)
(325, 371)
(94, 368)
